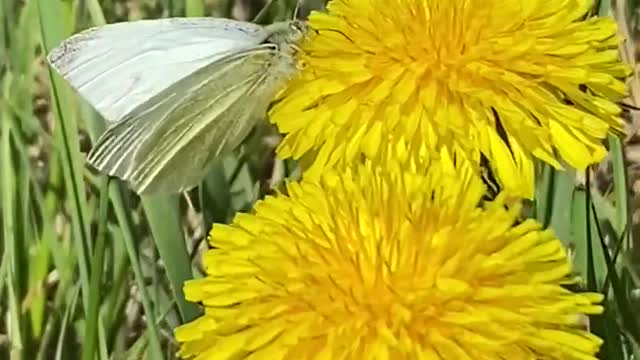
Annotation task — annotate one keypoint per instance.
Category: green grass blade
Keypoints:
(97, 267)
(66, 320)
(620, 186)
(627, 50)
(97, 16)
(544, 196)
(622, 301)
(113, 310)
(557, 209)
(11, 242)
(124, 220)
(51, 17)
(588, 257)
(215, 197)
(606, 326)
(194, 8)
(164, 220)
(581, 224)
(603, 7)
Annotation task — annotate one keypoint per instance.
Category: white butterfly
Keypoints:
(177, 92)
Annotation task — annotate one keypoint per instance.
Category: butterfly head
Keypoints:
(287, 32)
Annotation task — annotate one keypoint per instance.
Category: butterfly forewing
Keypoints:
(118, 67)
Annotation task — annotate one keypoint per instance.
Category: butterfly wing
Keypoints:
(167, 143)
(118, 67)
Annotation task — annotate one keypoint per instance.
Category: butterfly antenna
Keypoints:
(189, 202)
(296, 10)
(259, 18)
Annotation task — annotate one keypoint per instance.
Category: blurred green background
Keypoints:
(89, 270)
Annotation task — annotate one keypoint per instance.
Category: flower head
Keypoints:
(514, 80)
(382, 264)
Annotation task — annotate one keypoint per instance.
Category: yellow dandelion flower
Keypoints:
(383, 264)
(514, 80)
